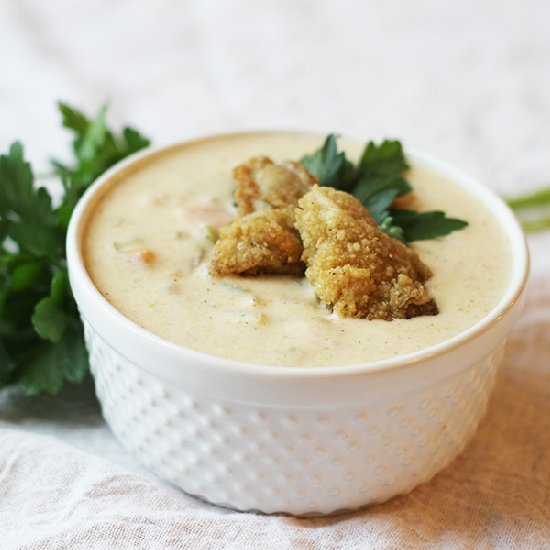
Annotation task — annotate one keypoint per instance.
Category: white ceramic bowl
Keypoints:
(291, 440)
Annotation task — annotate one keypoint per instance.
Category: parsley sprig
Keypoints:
(41, 337)
(377, 180)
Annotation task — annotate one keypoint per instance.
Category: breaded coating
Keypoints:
(261, 242)
(263, 184)
(263, 239)
(355, 267)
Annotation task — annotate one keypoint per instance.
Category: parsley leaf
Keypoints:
(41, 335)
(424, 226)
(376, 182)
(26, 212)
(95, 149)
(46, 366)
(332, 168)
(51, 315)
(379, 182)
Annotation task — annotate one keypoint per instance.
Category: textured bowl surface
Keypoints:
(273, 459)
(297, 441)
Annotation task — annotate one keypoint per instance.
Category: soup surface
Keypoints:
(148, 240)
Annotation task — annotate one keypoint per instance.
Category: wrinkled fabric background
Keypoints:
(467, 81)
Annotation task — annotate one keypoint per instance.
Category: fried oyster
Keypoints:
(263, 184)
(261, 242)
(354, 267)
(263, 239)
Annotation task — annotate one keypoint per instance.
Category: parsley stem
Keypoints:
(531, 226)
(530, 200)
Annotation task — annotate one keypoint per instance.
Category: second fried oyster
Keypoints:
(354, 267)
(263, 238)
(263, 184)
(261, 242)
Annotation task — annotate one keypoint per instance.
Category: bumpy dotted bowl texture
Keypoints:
(272, 459)
(297, 441)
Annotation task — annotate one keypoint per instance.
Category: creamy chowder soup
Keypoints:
(148, 241)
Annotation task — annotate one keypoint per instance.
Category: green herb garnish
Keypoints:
(41, 336)
(537, 203)
(537, 199)
(95, 148)
(377, 180)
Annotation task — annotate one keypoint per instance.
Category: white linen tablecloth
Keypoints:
(467, 81)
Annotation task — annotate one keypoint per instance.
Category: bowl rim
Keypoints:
(515, 288)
